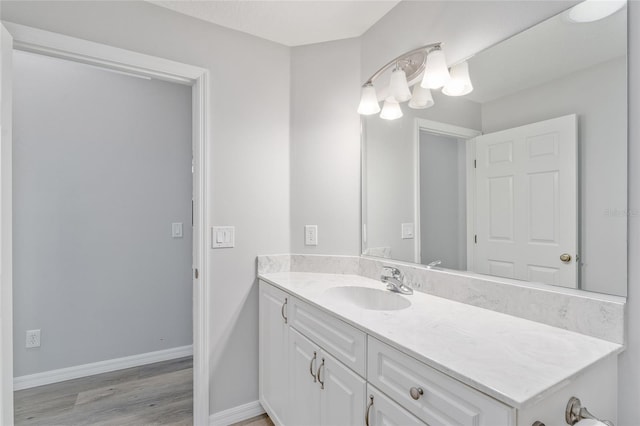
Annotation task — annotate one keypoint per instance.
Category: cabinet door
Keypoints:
(382, 411)
(304, 389)
(274, 367)
(342, 393)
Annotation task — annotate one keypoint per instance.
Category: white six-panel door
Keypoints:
(526, 202)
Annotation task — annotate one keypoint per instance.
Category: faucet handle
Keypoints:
(390, 271)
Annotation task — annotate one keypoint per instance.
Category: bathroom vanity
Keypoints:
(340, 349)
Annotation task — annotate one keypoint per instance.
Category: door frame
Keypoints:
(445, 129)
(60, 46)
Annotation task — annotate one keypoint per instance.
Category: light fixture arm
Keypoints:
(406, 57)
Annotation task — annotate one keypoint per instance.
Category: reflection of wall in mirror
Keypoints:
(598, 96)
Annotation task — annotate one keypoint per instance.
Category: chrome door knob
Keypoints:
(416, 393)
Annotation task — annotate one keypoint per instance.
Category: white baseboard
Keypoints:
(236, 414)
(84, 370)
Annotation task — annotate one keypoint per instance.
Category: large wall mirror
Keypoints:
(525, 177)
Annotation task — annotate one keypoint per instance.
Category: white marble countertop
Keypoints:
(514, 360)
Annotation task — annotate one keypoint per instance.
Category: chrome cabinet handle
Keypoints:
(318, 374)
(366, 413)
(284, 305)
(416, 393)
(311, 367)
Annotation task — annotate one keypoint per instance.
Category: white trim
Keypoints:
(84, 370)
(471, 203)
(61, 46)
(236, 414)
(65, 47)
(6, 231)
(201, 211)
(445, 129)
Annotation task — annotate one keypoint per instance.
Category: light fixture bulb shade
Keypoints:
(391, 110)
(436, 73)
(399, 87)
(460, 83)
(422, 98)
(594, 10)
(368, 101)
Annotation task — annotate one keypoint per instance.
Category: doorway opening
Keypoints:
(21, 38)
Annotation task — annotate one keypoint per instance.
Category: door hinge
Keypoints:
(475, 239)
(196, 273)
(475, 164)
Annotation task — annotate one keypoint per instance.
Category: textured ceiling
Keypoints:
(292, 23)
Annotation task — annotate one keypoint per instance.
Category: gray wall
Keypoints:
(249, 181)
(602, 160)
(102, 167)
(325, 146)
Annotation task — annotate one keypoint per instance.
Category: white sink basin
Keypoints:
(368, 298)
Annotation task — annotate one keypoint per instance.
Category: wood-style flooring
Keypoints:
(262, 420)
(154, 394)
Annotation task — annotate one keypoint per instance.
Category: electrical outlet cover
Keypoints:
(32, 339)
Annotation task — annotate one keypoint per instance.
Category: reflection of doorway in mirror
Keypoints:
(443, 200)
(526, 202)
(443, 157)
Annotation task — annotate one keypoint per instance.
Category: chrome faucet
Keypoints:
(394, 279)
(434, 264)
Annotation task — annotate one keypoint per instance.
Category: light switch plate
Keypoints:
(311, 235)
(223, 237)
(176, 230)
(407, 231)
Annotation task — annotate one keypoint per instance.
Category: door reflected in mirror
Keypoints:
(525, 177)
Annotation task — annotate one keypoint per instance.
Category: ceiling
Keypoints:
(551, 50)
(291, 23)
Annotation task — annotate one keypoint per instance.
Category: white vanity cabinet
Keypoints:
(304, 381)
(323, 391)
(318, 369)
(273, 351)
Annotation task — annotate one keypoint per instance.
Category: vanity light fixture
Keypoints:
(368, 101)
(421, 98)
(424, 68)
(391, 109)
(398, 86)
(460, 83)
(436, 73)
(594, 10)
(407, 68)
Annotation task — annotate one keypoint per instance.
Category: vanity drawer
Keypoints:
(346, 343)
(444, 401)
(383, 411)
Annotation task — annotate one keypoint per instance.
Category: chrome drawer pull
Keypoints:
(318, 374)
(284, 305)
(416, 393)
(366, 413)
(311, 367)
